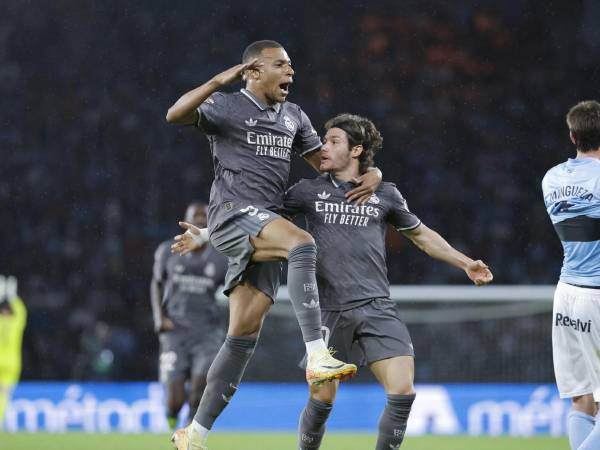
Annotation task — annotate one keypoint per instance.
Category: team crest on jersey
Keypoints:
(323, 195)
(374, 199)
(289, 123)
(179, 268)
(210, 270)
(250, 122)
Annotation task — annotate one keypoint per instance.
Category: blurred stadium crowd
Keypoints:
(470, 101)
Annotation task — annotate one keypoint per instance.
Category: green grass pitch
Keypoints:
(266, 441)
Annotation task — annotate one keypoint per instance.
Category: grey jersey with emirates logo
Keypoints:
(189, 286)
(252, 145)
(351, 259)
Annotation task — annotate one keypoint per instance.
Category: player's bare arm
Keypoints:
(183, 112)
(437, 247)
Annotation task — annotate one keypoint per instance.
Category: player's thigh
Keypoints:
(276, 240)
(571, 369)
(396, 374)
(324, 392)
(248, 306)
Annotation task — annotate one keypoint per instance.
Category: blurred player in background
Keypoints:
(13, 316)
(572, 198)
(253, 134)
(352, 275)
(186, 317)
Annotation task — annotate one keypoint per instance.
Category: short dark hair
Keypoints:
(360, 131)
(254, 50)
(583, 121)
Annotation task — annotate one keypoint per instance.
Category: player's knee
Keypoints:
(299, 237)
(400, 388)
(324, 393)
(585, 404)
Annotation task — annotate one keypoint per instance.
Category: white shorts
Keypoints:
(576, 340)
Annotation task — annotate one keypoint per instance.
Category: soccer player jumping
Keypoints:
(572, 198)
(253, 134)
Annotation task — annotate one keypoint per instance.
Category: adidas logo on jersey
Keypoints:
(324, 195)
(313, 304)
(250, 122)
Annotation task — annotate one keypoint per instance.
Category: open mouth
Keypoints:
(285, 88)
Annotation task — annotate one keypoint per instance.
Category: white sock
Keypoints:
(315, 346)
(203, 432)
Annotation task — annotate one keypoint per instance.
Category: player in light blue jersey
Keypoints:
(572, 198)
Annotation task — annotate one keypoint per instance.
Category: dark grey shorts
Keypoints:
(184, 355)
(368, 333)
(232, 239)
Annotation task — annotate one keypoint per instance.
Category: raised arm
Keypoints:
(437, 247)
(183, 112)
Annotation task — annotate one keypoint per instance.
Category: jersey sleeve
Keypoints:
(306, 140)
(212, 112)
(293, 201)
(399, 216)
(161, 255)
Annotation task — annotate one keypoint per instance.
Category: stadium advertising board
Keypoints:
(475, 409)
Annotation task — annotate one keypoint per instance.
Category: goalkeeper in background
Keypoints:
(13, 316)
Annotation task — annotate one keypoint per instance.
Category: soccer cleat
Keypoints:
(322, 367)
(187, 439)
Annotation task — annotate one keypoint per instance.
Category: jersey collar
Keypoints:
(345, 185)
(260, 105)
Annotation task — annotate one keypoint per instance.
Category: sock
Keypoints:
(312, 424)
(203, 432)
(579, 425)
(302, 286)
(172, 421)
(592, 441)
(392, 423)
(223, 378)
(314, 346)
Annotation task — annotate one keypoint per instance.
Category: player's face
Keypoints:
(335, 152)
(276, 74)
(196, 215)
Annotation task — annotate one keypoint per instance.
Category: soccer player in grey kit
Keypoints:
(352, 275)
(190, 327)
(253, 134)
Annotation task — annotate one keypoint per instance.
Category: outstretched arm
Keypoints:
(183, 112)
(437, 247)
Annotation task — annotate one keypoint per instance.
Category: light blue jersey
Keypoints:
(572, 197)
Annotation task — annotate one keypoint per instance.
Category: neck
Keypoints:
(347, 173)
(259, 94)
(593, 154)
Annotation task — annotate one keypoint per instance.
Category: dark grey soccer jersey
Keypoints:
(190, 283)
(251, 145)
(351, 259)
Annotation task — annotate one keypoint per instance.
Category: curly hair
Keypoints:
(360, 131)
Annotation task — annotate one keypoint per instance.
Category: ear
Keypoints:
(572, 136)
(356, 151)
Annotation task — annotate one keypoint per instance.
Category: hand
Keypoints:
(479, 273)
(185, 243)
(235, 73)
(164, 324)
(367, 185)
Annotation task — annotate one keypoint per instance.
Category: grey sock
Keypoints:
(312, 424)
(223, 378)
(392, 423)
(302, 286)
